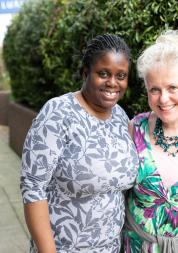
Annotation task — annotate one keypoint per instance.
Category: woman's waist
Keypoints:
(77, 233)
(141, 197)
(154, 219)
(167, 242)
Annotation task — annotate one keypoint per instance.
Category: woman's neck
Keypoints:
(170, 129)
(91, 108)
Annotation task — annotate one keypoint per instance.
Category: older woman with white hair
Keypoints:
(152, 204)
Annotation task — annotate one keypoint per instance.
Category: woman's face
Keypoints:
(162, 87)
(106, 81)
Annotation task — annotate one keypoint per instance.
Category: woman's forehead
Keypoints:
(111, 57)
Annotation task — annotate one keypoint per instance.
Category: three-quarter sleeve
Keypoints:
(42, 147)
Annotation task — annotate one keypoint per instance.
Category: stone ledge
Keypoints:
(4, 105)
(19, 120)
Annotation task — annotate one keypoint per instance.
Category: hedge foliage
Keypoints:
(23, 57)
(43, 45)
(4, 77)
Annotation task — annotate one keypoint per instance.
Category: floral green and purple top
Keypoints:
(153, 207)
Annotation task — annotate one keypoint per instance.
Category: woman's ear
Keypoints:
(85, 73)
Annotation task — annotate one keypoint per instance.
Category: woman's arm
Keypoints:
(37, 219)
(131, 128)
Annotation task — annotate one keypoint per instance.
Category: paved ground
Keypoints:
(13, 231)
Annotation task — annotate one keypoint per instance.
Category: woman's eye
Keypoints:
(154, 91)
(173, 89)
(103, 74)
(121, 76)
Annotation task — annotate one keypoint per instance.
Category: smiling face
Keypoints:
(162, 86)
(106, 81)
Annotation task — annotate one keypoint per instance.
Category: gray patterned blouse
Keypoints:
(81, 165)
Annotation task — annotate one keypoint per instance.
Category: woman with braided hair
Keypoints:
(78, 158)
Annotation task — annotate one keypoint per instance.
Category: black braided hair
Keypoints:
(102, 44)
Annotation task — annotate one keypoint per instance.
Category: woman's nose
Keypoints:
(164, 97)
(112, 82)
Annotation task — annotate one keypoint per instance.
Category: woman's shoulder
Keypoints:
(139, 118)
(56, 103)
(54, 108)
(65, 98)
(119, 111)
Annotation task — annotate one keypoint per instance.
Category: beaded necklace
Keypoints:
(168, 144)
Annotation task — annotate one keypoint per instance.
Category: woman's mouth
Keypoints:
(166, 108)
(110, 94)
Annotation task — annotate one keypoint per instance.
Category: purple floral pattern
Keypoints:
(152, 206)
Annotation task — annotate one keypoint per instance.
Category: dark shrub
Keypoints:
(43, 46)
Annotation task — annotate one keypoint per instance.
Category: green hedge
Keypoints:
(43, 46)
(4, 77)
(23, 57)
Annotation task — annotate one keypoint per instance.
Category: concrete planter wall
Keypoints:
(4, 105)
(19, 120)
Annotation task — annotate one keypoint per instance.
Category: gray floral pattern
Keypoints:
(81, 165)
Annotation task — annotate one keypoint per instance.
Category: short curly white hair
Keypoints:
(163, 51)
